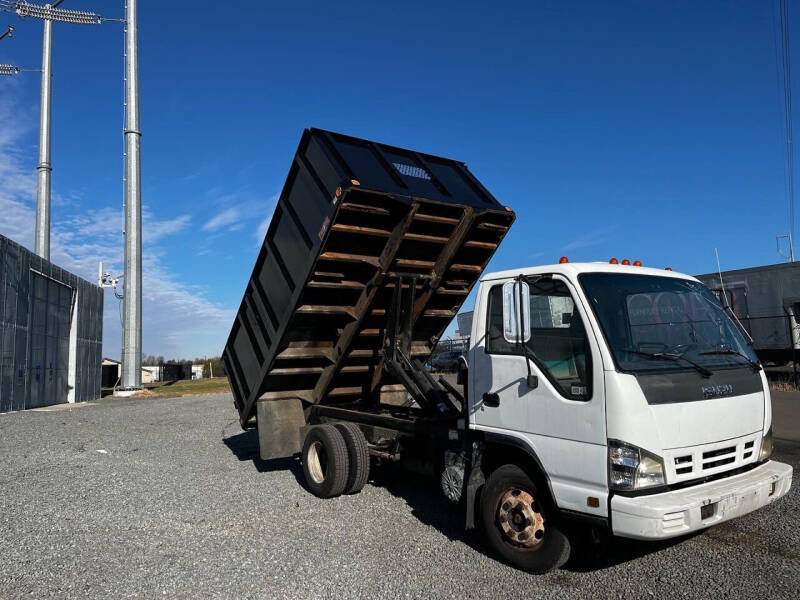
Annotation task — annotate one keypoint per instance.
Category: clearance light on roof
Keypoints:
(563, 260)
(637, 263)
(668, 268)
(613, 261)
(625, 261)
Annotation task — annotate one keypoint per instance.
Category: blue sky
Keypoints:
(643, 129)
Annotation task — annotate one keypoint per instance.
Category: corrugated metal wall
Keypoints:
(37, 306)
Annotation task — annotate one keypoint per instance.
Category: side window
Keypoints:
(558, 343)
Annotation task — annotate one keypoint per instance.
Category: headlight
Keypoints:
(766, 446)
(631, 468)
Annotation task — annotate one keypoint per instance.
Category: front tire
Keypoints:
(518, 521)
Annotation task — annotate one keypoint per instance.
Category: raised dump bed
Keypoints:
(353, 213)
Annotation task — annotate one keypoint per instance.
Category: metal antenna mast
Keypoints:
(132, 301)
(48, 13)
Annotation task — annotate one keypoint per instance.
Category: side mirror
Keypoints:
(514, 314)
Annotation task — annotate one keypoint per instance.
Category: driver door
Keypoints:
(562, 418)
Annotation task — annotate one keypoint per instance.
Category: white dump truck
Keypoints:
(607, 394)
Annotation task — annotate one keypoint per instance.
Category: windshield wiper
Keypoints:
(753, 365)
(673, 357)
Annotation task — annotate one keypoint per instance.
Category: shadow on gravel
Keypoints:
(244, 446)
(594, 550)
(591, 550)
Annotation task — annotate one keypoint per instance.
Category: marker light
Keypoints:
(668, 268)
(637, 263)
(625, 261)
(614, 261)
(563, 260)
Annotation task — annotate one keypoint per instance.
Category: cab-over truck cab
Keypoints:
(621, 394)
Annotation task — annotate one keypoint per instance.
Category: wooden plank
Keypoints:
(317, 370)
(408, 262)
(436, 219)
(353, 258)
(362, 230)
(356, 207)
(344, 283)
(477, 244)
(439, 313)
(470, 268)
(420, 237)
(329, 275)
(452, 292)
(304, 353)
(296, 371)
(492, 227)
(346, 391)
(324, 309)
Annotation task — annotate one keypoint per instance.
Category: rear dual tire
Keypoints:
(335, 460)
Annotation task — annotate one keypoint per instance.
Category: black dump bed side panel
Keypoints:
(351, 213)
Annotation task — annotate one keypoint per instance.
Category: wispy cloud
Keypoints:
(224, 219)
(178, 318)
(592, 238)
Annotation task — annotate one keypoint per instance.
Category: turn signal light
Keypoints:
(563, 260)
(637, 263)
(614, 261)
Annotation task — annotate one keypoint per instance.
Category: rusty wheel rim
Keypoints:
(519, 519)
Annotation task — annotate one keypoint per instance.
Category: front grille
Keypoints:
(684, 464)
(720, 452)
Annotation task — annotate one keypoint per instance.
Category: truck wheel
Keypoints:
(358, 453)
(325, 462)
(518, 522)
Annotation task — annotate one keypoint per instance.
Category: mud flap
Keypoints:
(279, 424)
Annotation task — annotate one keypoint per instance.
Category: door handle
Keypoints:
(491, 399)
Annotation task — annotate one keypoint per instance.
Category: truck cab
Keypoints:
(633, 393)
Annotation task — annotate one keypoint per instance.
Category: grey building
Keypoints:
(51, 332)
(766, 300)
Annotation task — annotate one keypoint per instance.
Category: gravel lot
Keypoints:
(167, 498)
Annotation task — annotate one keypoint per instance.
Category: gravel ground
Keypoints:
(167, 498)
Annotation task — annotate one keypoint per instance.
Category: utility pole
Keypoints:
(43, 168)
(49, 13)
(132, 301)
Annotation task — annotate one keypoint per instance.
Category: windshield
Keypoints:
(647, 318)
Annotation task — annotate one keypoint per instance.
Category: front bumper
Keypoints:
(678, 512)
